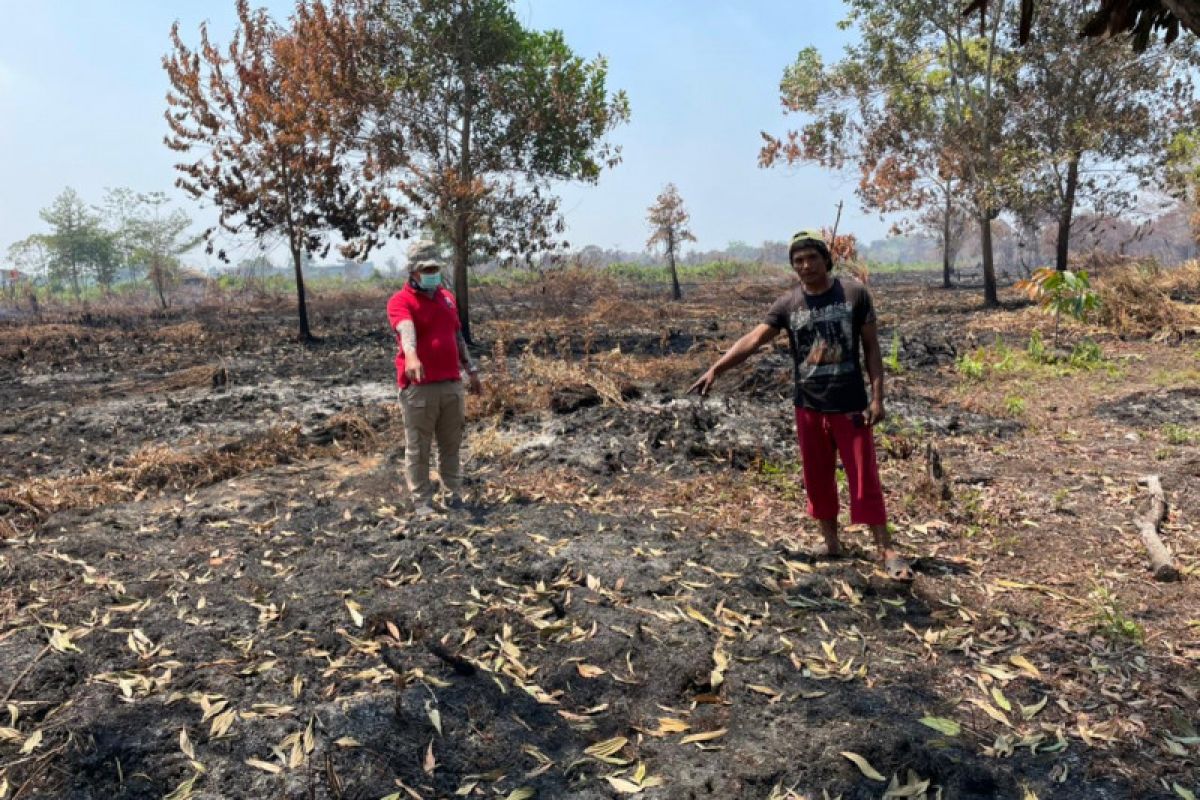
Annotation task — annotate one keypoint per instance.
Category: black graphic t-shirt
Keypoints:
(824, 332)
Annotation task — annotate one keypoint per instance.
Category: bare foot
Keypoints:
(827, 550)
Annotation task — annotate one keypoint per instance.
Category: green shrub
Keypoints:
(971, 365)
(1111, 621)
(1086, 355)
(1180, 434)
(1061, 292)
(1036, 348)
(1014, 405)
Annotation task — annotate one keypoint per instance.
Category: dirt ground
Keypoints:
(210, 588)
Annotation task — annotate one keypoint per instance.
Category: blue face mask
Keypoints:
(428, 281)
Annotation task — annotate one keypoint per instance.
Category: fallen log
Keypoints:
(1147, 525)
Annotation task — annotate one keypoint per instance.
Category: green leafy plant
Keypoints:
(1014, 405)
(892, 362)
(1036, 347)
(1061, 292)
(1006, 360)
(1112, 622)
(1086, 355)
(783, 477)
(1181, 434)
(971, 365)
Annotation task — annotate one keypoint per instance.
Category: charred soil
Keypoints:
(211, 586)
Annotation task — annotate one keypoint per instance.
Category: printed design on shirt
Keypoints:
(824, 340)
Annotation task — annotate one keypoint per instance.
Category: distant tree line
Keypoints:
(130, 236)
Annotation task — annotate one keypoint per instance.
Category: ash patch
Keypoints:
(1174, 406)
(915, 413)
(928, 348)
(685, 432)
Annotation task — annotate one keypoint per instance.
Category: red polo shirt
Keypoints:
(436, 321)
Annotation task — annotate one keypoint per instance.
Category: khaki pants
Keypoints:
(433, 411)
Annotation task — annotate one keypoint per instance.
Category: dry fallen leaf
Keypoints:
(990, 710)
(607, 747)
(589, 671)
(864, 766)
(185, 744)
(355, 613)
(1023, 663)
(265, 766)
(942, 725)
(31, 743)
(706, 736)
(1028, 712)
(624, 786)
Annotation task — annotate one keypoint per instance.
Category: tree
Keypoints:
(668, 229)
(160, 238)
(482, 115)
(273, 133)
(78, 246)
(1060, 291)
(1096, 118)
(31, 255)
(148, 237)
(916, 106)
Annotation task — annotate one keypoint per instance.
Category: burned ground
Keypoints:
(211, 587)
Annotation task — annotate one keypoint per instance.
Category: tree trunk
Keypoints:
(990, 298)
(946, 265)
(676, 292)
(1063, 246)
(301, 305)
(463, 204)
(461, 244)
(157, 276)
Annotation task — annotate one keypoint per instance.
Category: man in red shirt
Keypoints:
(431, 359)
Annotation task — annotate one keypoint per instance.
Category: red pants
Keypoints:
(822, 437)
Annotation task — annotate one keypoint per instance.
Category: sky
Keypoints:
(82, 97)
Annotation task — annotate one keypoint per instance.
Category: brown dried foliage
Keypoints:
(151, 469)
(1146, 300)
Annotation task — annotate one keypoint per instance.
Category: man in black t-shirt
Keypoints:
(828, 321)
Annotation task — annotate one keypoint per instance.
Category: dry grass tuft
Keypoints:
(353, 430)
(153, 468)
(35, 335)
(182, 333)
(532, 381)
(1147, 300)
(205, 375)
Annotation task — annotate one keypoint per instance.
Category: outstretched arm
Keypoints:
(742, 349)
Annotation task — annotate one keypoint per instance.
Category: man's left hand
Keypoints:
(875, 413)
(474, 385)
